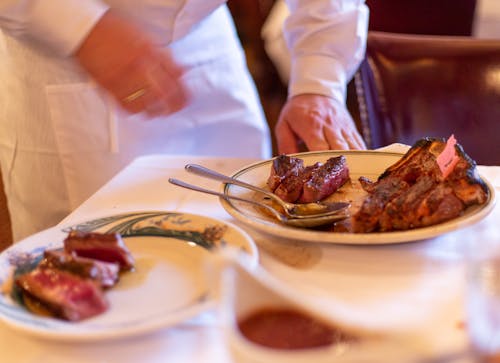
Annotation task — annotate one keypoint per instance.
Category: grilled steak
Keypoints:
(325, 180)
(105, 274)
(103, 247)
(294, 182)
(62, 294)
(283, 166)
(292, 187)
(367, 218)
(423, 188)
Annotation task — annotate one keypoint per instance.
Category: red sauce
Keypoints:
(289, 329)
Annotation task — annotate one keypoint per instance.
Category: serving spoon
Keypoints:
(292, 210)
(303, 222)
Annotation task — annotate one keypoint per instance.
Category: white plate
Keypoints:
(168, 284)
(361, 163)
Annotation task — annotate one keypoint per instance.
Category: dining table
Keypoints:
(419, 282)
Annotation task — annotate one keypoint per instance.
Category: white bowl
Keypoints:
(245, 289)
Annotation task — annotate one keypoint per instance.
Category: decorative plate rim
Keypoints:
(17, 317)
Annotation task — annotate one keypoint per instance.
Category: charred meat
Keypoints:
(433, 182)
(291, 188)
(325, 180)
(282, 167)
(294, 182)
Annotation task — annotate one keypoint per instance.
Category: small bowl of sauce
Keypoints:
(282, 333)
(289, 328)
(266, 320)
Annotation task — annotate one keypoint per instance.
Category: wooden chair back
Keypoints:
(411, 86)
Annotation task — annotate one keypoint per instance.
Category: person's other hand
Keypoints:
(320, 122)
(123, 60)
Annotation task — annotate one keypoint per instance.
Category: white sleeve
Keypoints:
(59, 24)
(327, 42)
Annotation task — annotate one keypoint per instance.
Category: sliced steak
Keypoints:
(325, 180)
(368, 216)
(292, 187)
(442, 204)
(105, 274)
(107, 247)
(282, 167)
(63, 294)
(296, 183)
(404, 211)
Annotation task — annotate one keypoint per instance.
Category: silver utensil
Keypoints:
(303, 222)
(292, 210)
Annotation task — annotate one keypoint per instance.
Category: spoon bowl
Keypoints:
(303, 222)
(292, 210)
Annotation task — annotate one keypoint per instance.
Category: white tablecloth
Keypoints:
(419, 280)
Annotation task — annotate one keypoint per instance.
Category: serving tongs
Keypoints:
(293, 211)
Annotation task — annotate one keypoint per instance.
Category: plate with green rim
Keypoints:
(167, 286)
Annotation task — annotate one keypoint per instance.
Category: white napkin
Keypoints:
(396, 147)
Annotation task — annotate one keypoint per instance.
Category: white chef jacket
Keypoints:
(61, 137)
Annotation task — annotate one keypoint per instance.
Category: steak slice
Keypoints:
(402, 211)
(105, 274)
(292, 187)
(422, 205)
(368, 216)
(282, 167)
(325, 180)
(107, 247)
(443, 205)
(293, 182)
(63, 294)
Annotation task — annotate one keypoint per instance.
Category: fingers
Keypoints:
(169, 66)
(126, 62)
(135, 101)
(356, 142)
(286, 140)
(344, 137)
(322, 124)
(154, 101)
(161, 91)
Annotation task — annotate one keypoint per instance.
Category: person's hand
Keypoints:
(122, 59)
(320, 122)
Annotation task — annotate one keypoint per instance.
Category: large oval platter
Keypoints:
(369, 164)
